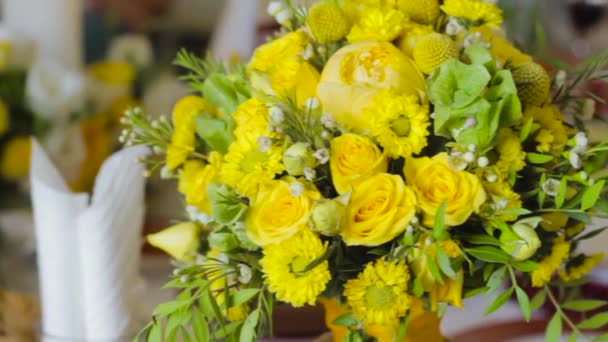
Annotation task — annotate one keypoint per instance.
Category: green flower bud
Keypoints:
(223, 241)
(327, 214)
(298, 157)
(523, 241)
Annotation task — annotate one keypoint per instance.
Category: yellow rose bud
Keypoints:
(379, 209)
(298, 157)
(327, 215)
(435, 182)
(328, 22)
(15, 158)
(180, 241)
(353, 158)
(277, 214)
(355, 73)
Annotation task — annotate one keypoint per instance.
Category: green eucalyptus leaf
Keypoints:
(561, 193)
(199, 327)
(526, 130)
(525, 266)
(444, 263)
(168, 308)
(155, 334)
(439, 232)
(434, 269)
(496, 279)
(481, 239)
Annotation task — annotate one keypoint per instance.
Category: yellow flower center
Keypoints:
(401, 126)
(366, 67)
(299, 264)
(379, 297)
(252, 159)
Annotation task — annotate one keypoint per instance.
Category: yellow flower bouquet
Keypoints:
(386, 158)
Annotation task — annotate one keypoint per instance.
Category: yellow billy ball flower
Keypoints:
(353, 158)
(533, 83)
(194, 179)
(354, 75)
(478, 12)
(399, 123)
(15, 158)
(551, 263)
(284, 267)
(433, 50)
(5, 118)
(374, 23)
(379, 294)
(580, 266)
(328, 22)
(421, 11)
(180, 241)
(379, 210)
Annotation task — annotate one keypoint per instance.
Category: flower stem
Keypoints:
(566, 319)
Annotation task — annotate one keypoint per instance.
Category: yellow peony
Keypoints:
(377, 24)
(194, 179)
(183, 138)
(278, 67)
(15, 158)
(284, 266)
(353, 158)
(354, 75)
(421, 11)
(180, 241)
(435, 182)
(277, 213)
(477, 12)
(5, 118)
(379, 209)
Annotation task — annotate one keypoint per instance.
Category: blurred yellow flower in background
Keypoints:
(114, 73)
(377, 24)
(98, 140)
(551, 263)
(15, 158)
(421, 11)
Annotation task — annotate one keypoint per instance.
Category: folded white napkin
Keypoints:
(88, 253)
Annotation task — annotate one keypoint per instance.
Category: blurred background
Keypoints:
(155, 31)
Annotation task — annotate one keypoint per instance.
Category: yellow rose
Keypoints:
(353, 158)
(354, 74)
(15, 158)
(435, 182)
(379, 209)
(276, 213)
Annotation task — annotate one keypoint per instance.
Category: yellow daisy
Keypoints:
(476, 11)
(511, 158)
(246, 166)
(552, 135)
(399, 123)
(580, 266)
(284, 265)
(551, 263)
(251, 117)
(194, 179)
(379, 294)
(377, 24)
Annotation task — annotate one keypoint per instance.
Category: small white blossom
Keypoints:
(560, 78)
(584, 176)
(575, 160)
(327, 120)
(157, 149)
(183, 279)
(469, 157)
(414, 220)
(309, 174)
(325, 135)
(581, 141)
(470, 123)
(165, 173)
(264, 143)
(322, 155)
(472, 147)
(244, 274)
(483, 161)
(432, 115)
(409, 228)
(453, 27)
(457, 164)
(276, 114)
(311, 103)
(308, 52)
(550, 187)
(588, 109)
(296, 189)
(491, 176)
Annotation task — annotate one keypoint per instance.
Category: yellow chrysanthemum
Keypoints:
(15, 158)
(377, 24)
(328, 22)
(183, 138)
(194, 179)
(421, 11)
(552, 135)
(399, 123)
(246, 166)
(476, 11)
(500, 47)
(217, 287)
(251, 117)
(5, 119)
(533, 83)
(512, 157)
(580, 267)
(379, 294)
(283, 265)
(551, 263)
(433, 50)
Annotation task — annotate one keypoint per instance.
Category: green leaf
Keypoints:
(417, 289)
(489, 254)
(481, 239)
(222, 241)
(538, 300)
(595, 322)
(248, 331)
(226, 206)
(217, 312)
(243, 296)
(165, 309)
(220, 91)
(537, 158)
(601, 338)
(185, 334)
(524, 303)
(591, 234)
(401, 333)
(554, 329)
(499, 301)
(561, 193)
(432, 265)
(217, 133)
(572, 337)
(444, 263)
(581, 217)
(228, 330)
(515, 211)
(496, 279)
(199, 327)
(345, 320)
(176, 320)
(473, 292)
(439, 232)
(155, 334)
(525, 130)
(583, 305)
(592, 195)
(525, 266)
